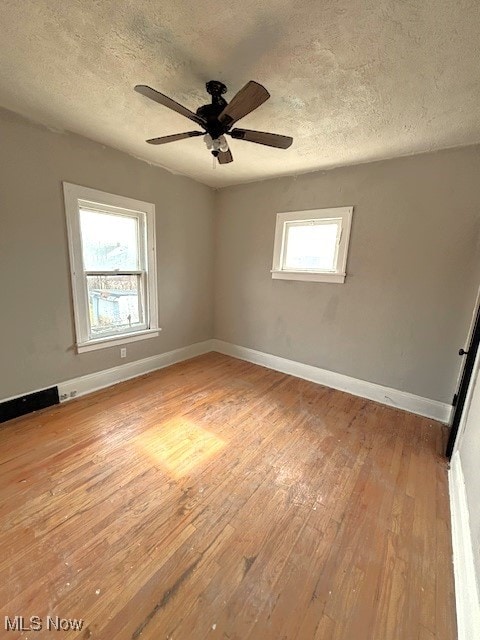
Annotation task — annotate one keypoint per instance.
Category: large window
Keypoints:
(312, 245)
(112, 258)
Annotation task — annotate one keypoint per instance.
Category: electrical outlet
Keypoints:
(123, 352)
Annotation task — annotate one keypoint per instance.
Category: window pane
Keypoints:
(114, 303)
(109, 241)
(311, 246)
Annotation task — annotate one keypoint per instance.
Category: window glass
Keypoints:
(109, 241)
(114, 303)
(311, 245)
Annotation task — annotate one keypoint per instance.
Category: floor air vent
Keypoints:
(26, 404)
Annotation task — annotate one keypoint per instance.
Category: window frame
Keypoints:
(77, 197)
(338, 275)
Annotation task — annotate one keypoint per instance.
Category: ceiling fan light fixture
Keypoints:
(216, 144)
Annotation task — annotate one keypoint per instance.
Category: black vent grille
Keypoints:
(26, 404)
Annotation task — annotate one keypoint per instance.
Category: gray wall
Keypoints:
(405, 307)
(36, 321)
(398, 320)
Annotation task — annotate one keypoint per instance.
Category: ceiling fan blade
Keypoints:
(246, 100)
(262, 137)
(175, 137)
(148, 92)
(224, 157)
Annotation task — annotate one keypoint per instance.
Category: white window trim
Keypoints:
(73, 195)
(338, 276)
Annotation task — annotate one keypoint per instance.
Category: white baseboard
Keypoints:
(467, 595)
(385, 395)
(101, 379)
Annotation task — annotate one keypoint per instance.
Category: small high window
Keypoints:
(113, 267)
(312, 245)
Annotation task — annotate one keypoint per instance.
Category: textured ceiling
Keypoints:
(350, 80)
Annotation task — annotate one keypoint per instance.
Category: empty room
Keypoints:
(239, 363)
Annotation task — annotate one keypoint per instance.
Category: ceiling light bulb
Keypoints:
(223, 144)
(208, 141)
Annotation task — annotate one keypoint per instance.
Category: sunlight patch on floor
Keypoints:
(179, 445)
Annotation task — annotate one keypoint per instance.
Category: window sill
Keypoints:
(308, 276)
(113, 341)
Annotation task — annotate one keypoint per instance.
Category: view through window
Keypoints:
(311, 245)
(114, 270)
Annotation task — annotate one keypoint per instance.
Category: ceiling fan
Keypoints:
(218, 118)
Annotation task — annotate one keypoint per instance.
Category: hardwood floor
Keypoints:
(219, 499)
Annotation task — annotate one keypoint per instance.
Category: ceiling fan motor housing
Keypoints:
(210, 112)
